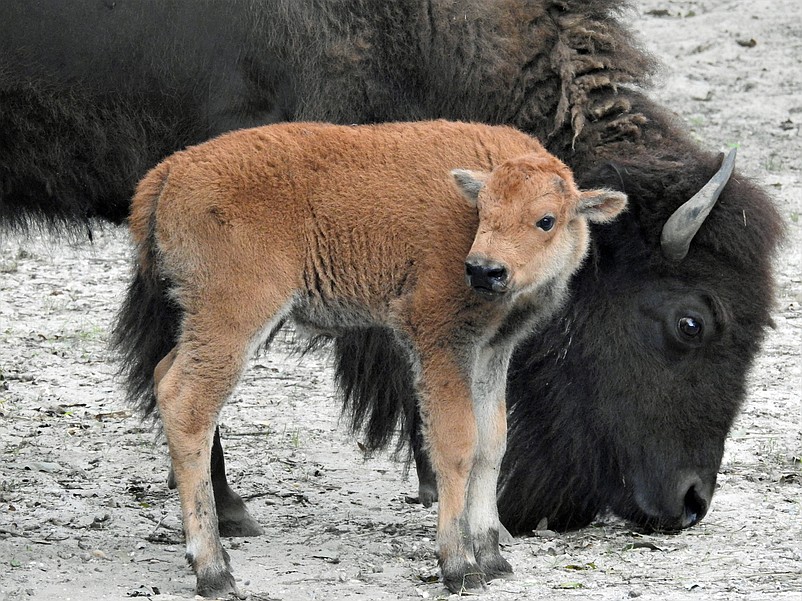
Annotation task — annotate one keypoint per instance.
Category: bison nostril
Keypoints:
(695, 507)
(680, 505)
(475, 272)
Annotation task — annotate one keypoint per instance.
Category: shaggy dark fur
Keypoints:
(613, 406)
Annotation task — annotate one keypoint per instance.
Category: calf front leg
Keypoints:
(488, 391)
(451, 436)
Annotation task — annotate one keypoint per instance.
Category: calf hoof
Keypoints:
(466, 576)
(217, 584)
(488, 555)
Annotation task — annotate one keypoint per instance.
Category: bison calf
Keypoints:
(338, 228)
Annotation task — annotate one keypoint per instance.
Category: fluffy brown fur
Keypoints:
(343, 228)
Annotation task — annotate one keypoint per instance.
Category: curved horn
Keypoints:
(681, 227)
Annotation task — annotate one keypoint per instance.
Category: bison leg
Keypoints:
(451, 439)
(427, 481)
(233, 519)
(489, 406)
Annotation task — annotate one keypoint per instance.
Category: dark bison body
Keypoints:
(625, 401)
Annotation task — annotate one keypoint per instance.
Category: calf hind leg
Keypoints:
(205, 367)
(188, 404)
(233, 518)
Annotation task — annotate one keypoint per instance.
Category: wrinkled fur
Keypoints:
(76, 135)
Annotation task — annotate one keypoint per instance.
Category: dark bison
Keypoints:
(625, 401)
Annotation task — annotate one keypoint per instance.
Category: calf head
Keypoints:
(533, 223)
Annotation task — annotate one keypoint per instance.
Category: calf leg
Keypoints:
(199, 376)
(488, 387)
(427, 481)
(233, 518)
(451, 439)
(189, 404)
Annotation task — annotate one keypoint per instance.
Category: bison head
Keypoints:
(625, 401)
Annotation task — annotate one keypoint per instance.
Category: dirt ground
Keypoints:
(85, 513)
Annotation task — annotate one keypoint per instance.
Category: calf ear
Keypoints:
(469, 183)
(600, 206)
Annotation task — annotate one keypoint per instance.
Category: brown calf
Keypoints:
(347, 227)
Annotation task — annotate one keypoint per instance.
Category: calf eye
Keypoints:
(689, 327)
(546, 223)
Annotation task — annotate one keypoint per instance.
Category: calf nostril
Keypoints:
(498, 274)
(476, 273)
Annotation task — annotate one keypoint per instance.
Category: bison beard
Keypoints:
(585, 433)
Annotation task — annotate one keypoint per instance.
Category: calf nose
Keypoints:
(485, 276)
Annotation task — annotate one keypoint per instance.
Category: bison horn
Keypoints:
(681, 227)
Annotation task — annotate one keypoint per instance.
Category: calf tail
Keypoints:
(375, 378)
(148, 323)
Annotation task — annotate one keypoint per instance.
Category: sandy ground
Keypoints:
(85, 513)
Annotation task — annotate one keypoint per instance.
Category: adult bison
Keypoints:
(626, 399)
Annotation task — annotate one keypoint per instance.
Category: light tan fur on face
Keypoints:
(513, 198)
(340, 227)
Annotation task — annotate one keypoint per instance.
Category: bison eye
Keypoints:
(546, 223)
(689, 327)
